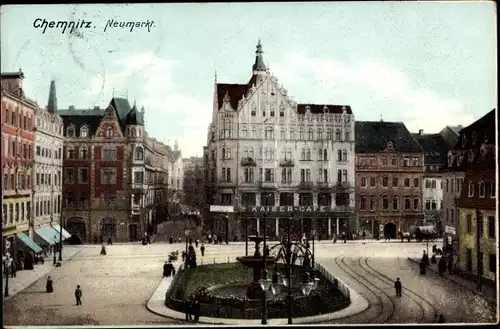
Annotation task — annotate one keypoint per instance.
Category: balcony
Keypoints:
(266, 184)
(247, 161)
(343, 186)
(286, 163)
(306, 185)
(322, 185)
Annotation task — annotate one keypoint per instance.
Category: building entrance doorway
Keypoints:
(132, 232)
(390, 230)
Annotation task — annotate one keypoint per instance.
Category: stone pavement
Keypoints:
(156, 304)
(25, 278)
(487, 293)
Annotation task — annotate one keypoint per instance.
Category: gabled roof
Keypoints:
(434, 146)
(372, 137)
(318, 109)
(78, 118)
(234, 91)
(455, 129)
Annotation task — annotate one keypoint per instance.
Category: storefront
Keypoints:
(449, 238)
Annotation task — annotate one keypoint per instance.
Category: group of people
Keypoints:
(49, 288)
(444, 263)
(193, 309)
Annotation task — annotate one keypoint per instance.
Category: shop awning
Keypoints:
(55, 233)
(66, 234)
(47, 234)
(28, 242)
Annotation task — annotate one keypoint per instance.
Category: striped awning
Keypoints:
(28, 242)
(48, 234)
(65, 234)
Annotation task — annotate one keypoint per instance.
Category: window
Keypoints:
(226, 175)
(344, 155)
(362, 203)
(253, 113)
(344, 175)
(83, 152)
(70, 152)
(329, 134)
(282, 113)
(469, 224)
(407, 182)
(363, 181)
(447, 184)
(339, 155)
(406, 162)
(109, 132)
(347, 135)
(269, 175)
(84, 132)
(138, 177)
(415, 182)
(416, 203)
(394, 161)
(244, 132)
(395, 204)
(482, 189)
(269, 133)
(433, 183)
(82, 199)
(373, 204)
(70, 179)
(283, 134)
(372, 181)
(109, 153)
(491, 227)
(385, 203)
(383, 161)
(480, 225)
(310, 134)
(407, 204)
(292, 133)
(385, 181)
(70, 132)
(320, 133)
(301, 133)
(249, 175)
(471, 190)
(109, 198)
(337, 134)
(492, 190)
(108, 175)
(415, 161)
(395, 182)
(138, 153)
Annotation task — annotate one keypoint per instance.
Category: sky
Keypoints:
(427, 64)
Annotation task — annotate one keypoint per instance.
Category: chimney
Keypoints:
(71, 107)
(97, 108)
(420, 132)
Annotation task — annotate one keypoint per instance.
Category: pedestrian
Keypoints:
(78, 295)
(344, 236)
(166, 269)
(101, 239)
(202, 249)
(441, 318)
(266, 251)
(188, 307)
(196, 310)
(103, 250)
(171, 240)
(148, 239)
(450, 265)
(423, 267)
(398, 287)
(442, 265)
(13, 269)
(49, 287)
(209, 238)
(95, 239)
(197, 241)
(334, 238)
(425, 258)
(364, 234)
(109, 240)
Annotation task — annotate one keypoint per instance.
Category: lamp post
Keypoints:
(227, 228)
(246, 235)
(60, 238)
(6, 270)
(55, 250)
(264, 276)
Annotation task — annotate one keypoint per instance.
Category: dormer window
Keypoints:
(464, 140)
(474, 138)
(471, 190)
(70, 132)
(450, 160)
(84, 132)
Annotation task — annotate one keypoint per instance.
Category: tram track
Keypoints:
(428, 312)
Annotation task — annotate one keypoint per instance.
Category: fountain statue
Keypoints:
(256, 262)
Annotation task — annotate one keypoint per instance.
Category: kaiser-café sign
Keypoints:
(272, 209)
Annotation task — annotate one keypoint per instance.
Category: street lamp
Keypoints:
(55, 250)
(6, 270)
(187, 236)
(60, 238)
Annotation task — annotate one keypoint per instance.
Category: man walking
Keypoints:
(399, 287)
(78, 295)
(202, 249)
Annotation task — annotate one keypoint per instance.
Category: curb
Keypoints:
(358, 304)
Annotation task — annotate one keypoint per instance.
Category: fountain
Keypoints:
(256, 262)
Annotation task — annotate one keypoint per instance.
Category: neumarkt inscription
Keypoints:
(81, 24)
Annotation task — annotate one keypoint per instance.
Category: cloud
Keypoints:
(372, 89)
(169, 114)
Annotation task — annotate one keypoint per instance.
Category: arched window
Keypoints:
(339, 155)
(347, 135)
(301, 133)
(70, 132)
(83, 152)
(139, 153)
(84, 132)
(344, 155)
(310, 134)
(320, 133)
(329, 134)
(337, 134)
(308, 154)
(269, 133)
(292, 133)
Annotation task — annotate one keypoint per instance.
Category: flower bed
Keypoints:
(202, 280)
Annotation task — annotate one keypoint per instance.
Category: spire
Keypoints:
(52, 104)
(259, 61)
(215, 76)
(176, 145)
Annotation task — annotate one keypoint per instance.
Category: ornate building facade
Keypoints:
(48, 168)
(109, 172)
(389, 172)
(478, 221)
(272, 159)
